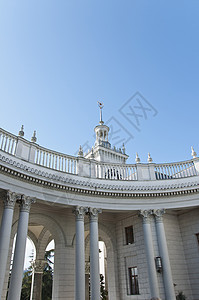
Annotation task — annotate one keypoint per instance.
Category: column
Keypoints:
(14, 292)
(79, 254)
(162, 243)
(5, 232)
(148, 241)
(94, 254)
(37, 274)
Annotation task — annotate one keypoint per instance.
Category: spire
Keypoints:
(101, 105)
(123, 149)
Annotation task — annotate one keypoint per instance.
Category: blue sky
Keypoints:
(58, 58)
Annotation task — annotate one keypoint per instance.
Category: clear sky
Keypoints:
(58, 58)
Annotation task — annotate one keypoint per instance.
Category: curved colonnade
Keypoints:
(77, 201)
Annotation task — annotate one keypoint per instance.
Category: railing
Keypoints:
(116, 171)
(175, 170)
(8, 142)
(55, 160)
(28, 151)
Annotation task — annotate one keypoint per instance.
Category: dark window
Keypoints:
(129, 235)
(133, 281)
(197, 236)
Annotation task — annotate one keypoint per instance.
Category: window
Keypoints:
(129, 235)
(197, 236)
(133, 281)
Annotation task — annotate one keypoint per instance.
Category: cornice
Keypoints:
(84, 186)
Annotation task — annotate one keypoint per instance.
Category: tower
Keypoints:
(102, 150)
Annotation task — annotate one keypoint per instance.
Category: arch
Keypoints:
(49, 223)
(33, 238)
(43, 240)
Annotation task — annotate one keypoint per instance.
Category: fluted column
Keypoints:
(14, 292)
(37, 274)
(162, 243)
(9, 200)
(80, 254)
(94, 254)
(148, 241)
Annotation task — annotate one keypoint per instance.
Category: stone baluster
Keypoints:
(162, 243)
(94, 254)
(9, 200)
(80, 254)
(148, 241)
(14, 292)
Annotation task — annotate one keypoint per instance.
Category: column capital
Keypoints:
(145, 214)
(93, 213)
(9, 199)
(87, 267)
(38, 265)
(158, 213)
(25, 203)
(80, 212)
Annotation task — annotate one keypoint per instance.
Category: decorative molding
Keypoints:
(38, 265)
(87, 267)
(93, 213)
(158, 213)
(80, 212)
(9, 199)
(145, 214)
(25, 203)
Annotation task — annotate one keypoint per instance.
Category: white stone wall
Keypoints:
(189, 223)
(130, 256)
(177, 258)
(134, 255)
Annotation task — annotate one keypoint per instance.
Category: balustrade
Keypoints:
(175, 170)
(54, 160)
(8, 142)
(32, 152)
(116, 171)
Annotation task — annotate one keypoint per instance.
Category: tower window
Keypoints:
(129, 235)
(133, 281)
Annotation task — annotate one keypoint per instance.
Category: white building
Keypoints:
(146, 214)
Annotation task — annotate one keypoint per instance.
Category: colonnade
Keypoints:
(163, 251)
(25, 202)
(9, 199)
(14, 293)
(80, 255)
